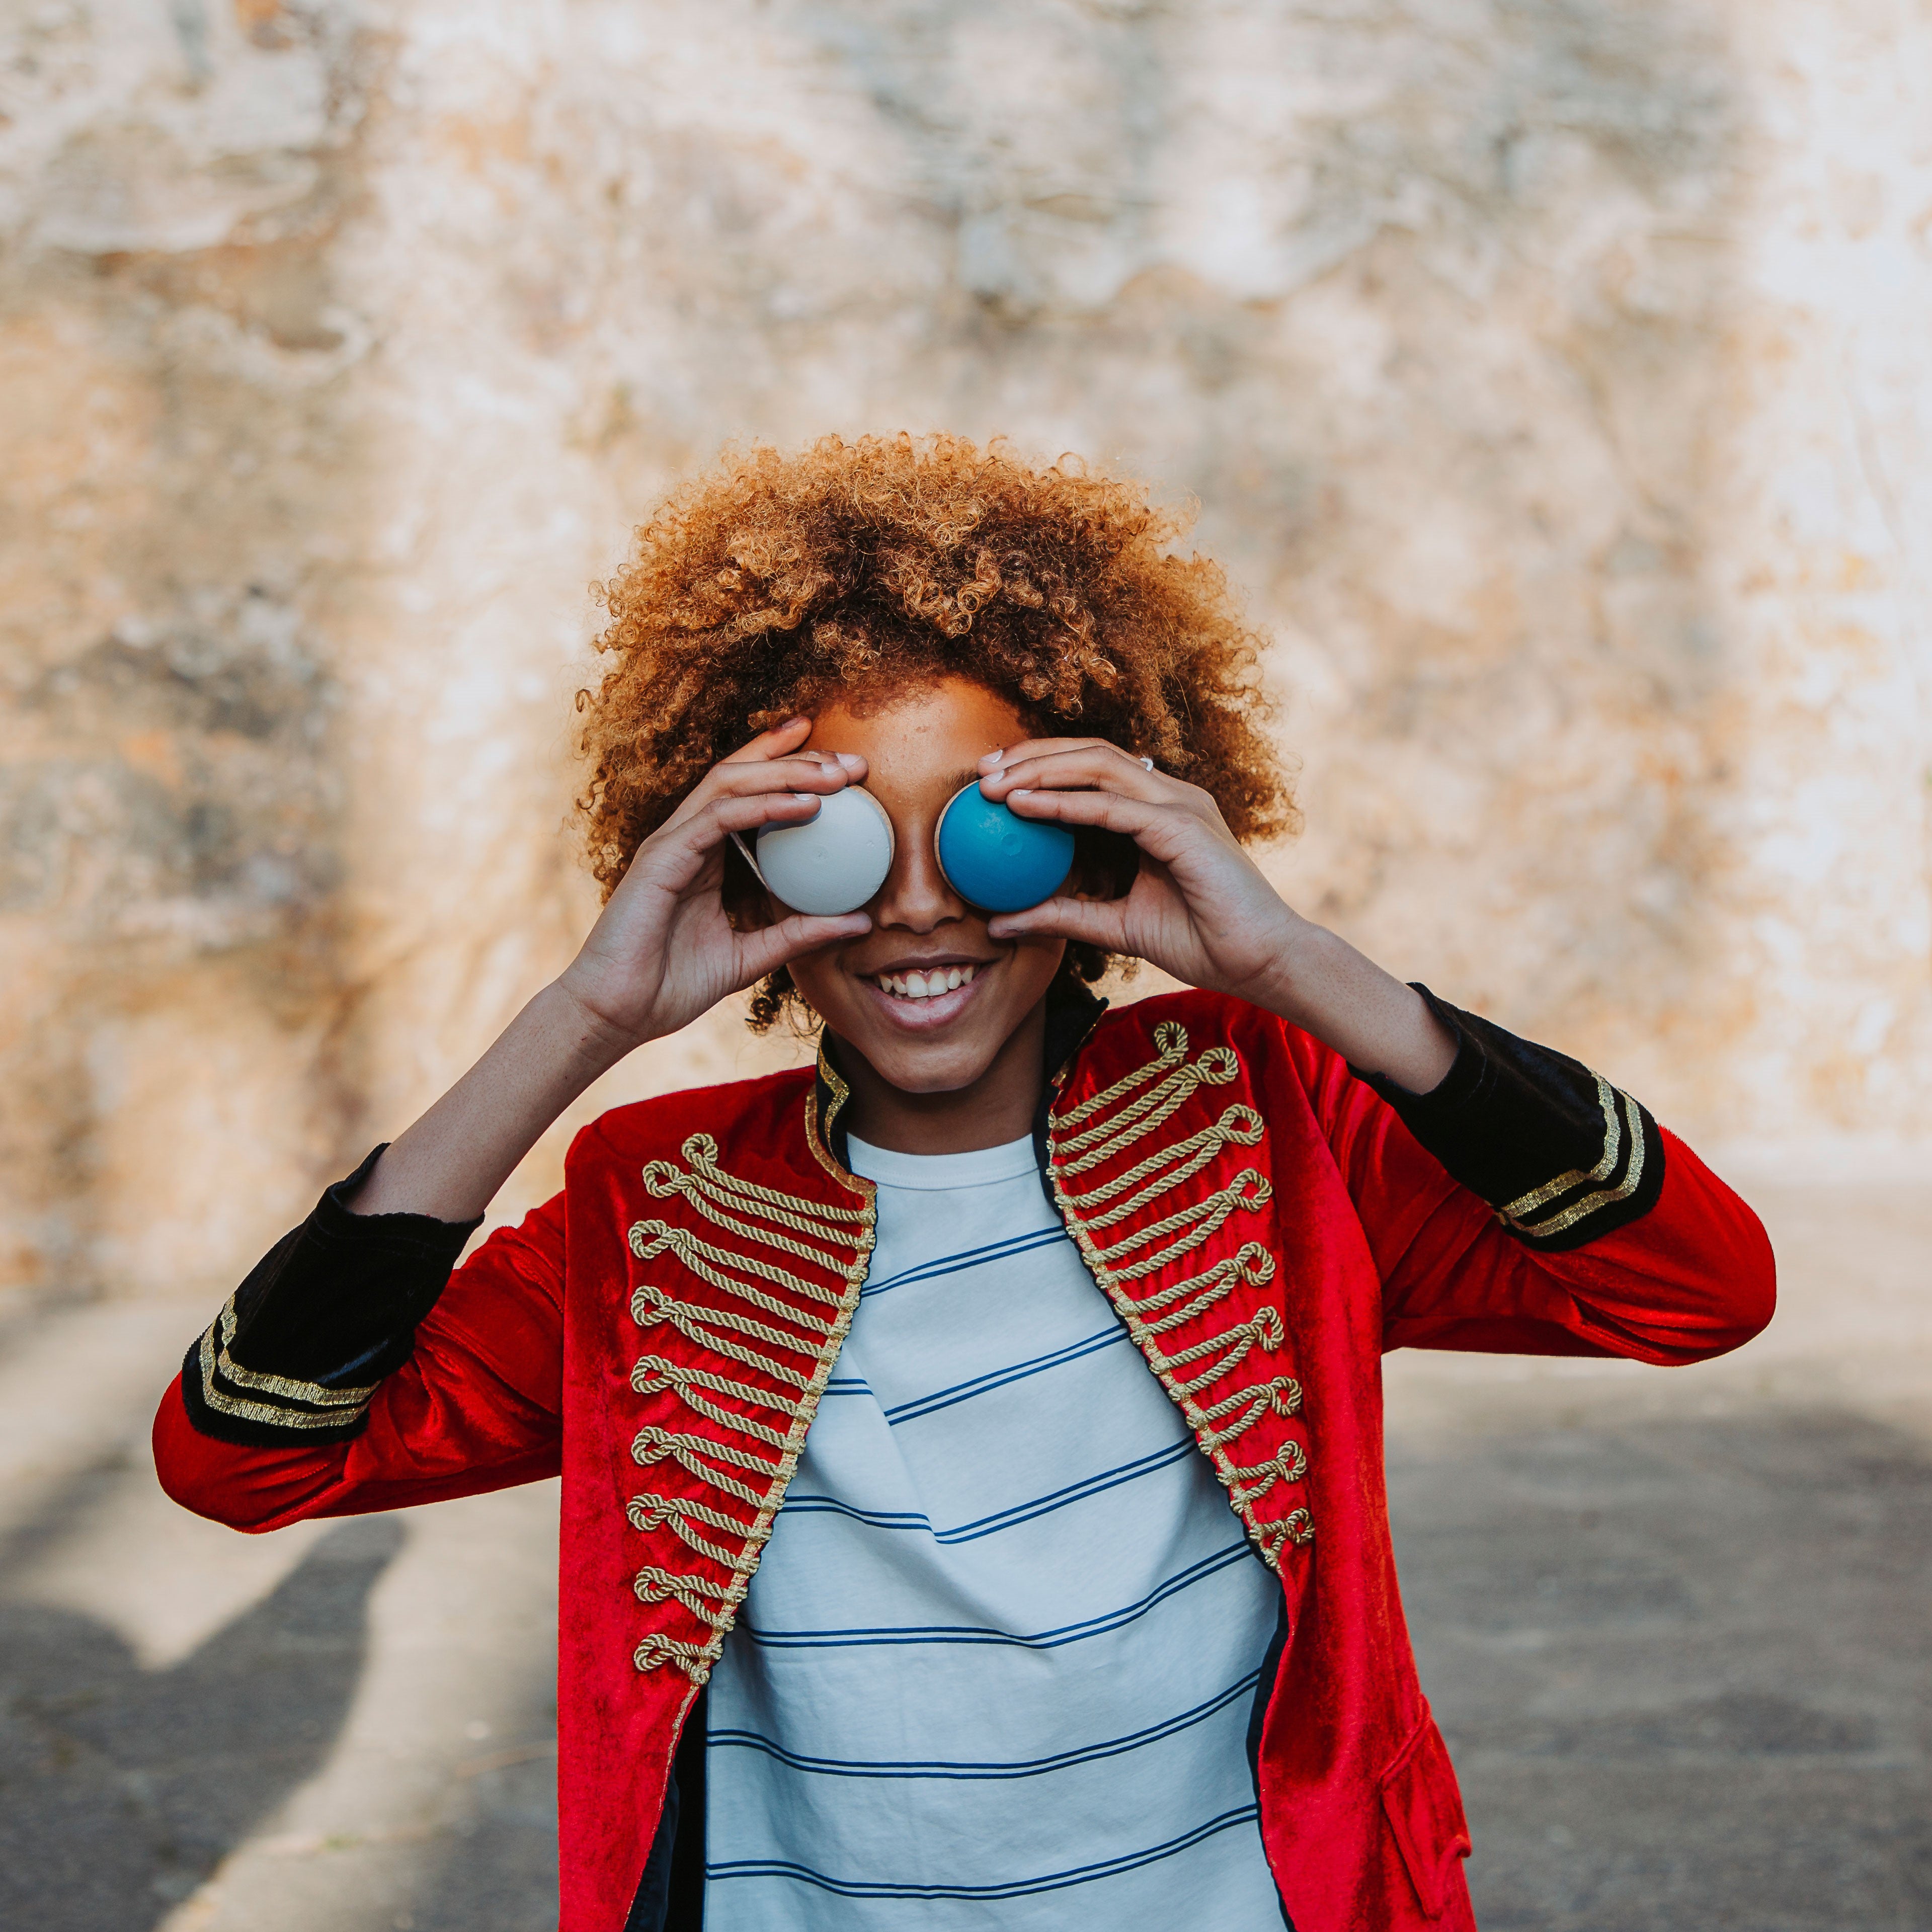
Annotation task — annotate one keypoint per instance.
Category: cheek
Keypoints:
(818, 980)
(1034, 963)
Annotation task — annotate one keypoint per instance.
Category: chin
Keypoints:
(944, 1066)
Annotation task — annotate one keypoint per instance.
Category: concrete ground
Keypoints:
(1678, 1627)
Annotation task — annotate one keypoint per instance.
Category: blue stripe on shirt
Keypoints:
(833, 1767)
(929, 1404)
(1012, 1889)
(966, 1258)
(1006, 1519)
(1049, 1639)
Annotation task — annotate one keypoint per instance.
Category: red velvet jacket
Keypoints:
(1265, 1225)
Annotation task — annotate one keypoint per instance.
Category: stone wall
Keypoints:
(1553, 374)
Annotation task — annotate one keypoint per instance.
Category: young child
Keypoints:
(973, 1504)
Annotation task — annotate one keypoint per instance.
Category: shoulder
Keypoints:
(1148, 1027)
(765, 1113)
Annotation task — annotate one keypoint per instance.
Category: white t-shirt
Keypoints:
(997, 1666)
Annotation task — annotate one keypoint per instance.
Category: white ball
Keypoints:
(831, 863)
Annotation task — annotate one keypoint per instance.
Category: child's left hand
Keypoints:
(1199, 908)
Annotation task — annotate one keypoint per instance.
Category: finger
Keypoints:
(772, 946)
(805, 771)
(785, 739)
(1101, 922)
(1104, 766)
(687, 842)
(774, 743)
(1035, 748)
(1141, 820)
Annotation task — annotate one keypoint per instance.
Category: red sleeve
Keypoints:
(476, 1407)
(1691, 1277)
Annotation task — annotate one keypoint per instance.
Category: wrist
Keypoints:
(593, 1042)
(1301, 964)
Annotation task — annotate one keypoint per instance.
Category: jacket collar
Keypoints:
(1072, 1014)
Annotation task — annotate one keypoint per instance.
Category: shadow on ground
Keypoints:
(1685, 1665)
(120, 1789)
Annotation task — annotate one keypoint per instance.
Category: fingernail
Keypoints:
(850, 761)
(1020, 791)
(995, 758)
(793, 723)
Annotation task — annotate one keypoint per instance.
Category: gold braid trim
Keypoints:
(650, 1305)
(653, 1445)
(1289, 1464)
(654, 1585)
(1149, 1316)
(650, 1511)
(707, 1182)
(1252, 1266)
(836, 1240)
(1172, 1041)
(1521, 1214)
(341, 1406)
(653, 1238)
(1240, 1125)
(1281, 1393)
(1248, 1189)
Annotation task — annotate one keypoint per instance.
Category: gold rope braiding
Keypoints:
(1215, 1068)
(702, 1445)
(674, 1181)
(735, 1206)
(694, 1659)
(651, 1237)
(1202, 1220)
(1297, 1526)
(1162, 1309)
(791, 1210)
(653, 1586)
(1239, 1124)
(815, 1324)
(1289, 1464)
(1253, 1266)
(1280, 1394)
(1262, 1329)
(647, 1450)
(650, 1305)
(648, 1512)
(653, 1375)
(1170, 1037)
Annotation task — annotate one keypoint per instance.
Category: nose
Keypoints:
(916, 897)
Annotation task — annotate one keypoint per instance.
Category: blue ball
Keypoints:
(999, 861)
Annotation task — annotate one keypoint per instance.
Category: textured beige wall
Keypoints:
(1554, 374)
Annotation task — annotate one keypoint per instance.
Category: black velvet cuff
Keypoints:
(330, 1310)
(1559, 1153)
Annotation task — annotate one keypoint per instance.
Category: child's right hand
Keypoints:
(664, 951)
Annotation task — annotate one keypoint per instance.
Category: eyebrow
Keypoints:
(959, 780)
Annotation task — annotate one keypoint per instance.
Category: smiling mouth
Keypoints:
(928, 985)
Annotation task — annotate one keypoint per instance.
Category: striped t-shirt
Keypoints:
(997, 1666)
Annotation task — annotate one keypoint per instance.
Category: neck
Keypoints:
(997, 1107)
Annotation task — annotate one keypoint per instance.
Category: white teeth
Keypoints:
(916, 984)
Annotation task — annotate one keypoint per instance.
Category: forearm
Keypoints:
(1323, 985)
(450, 1164)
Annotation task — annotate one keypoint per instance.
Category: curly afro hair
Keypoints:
(757, 591)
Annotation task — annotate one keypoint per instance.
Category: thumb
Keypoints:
(772, 946)
(1102, 923)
